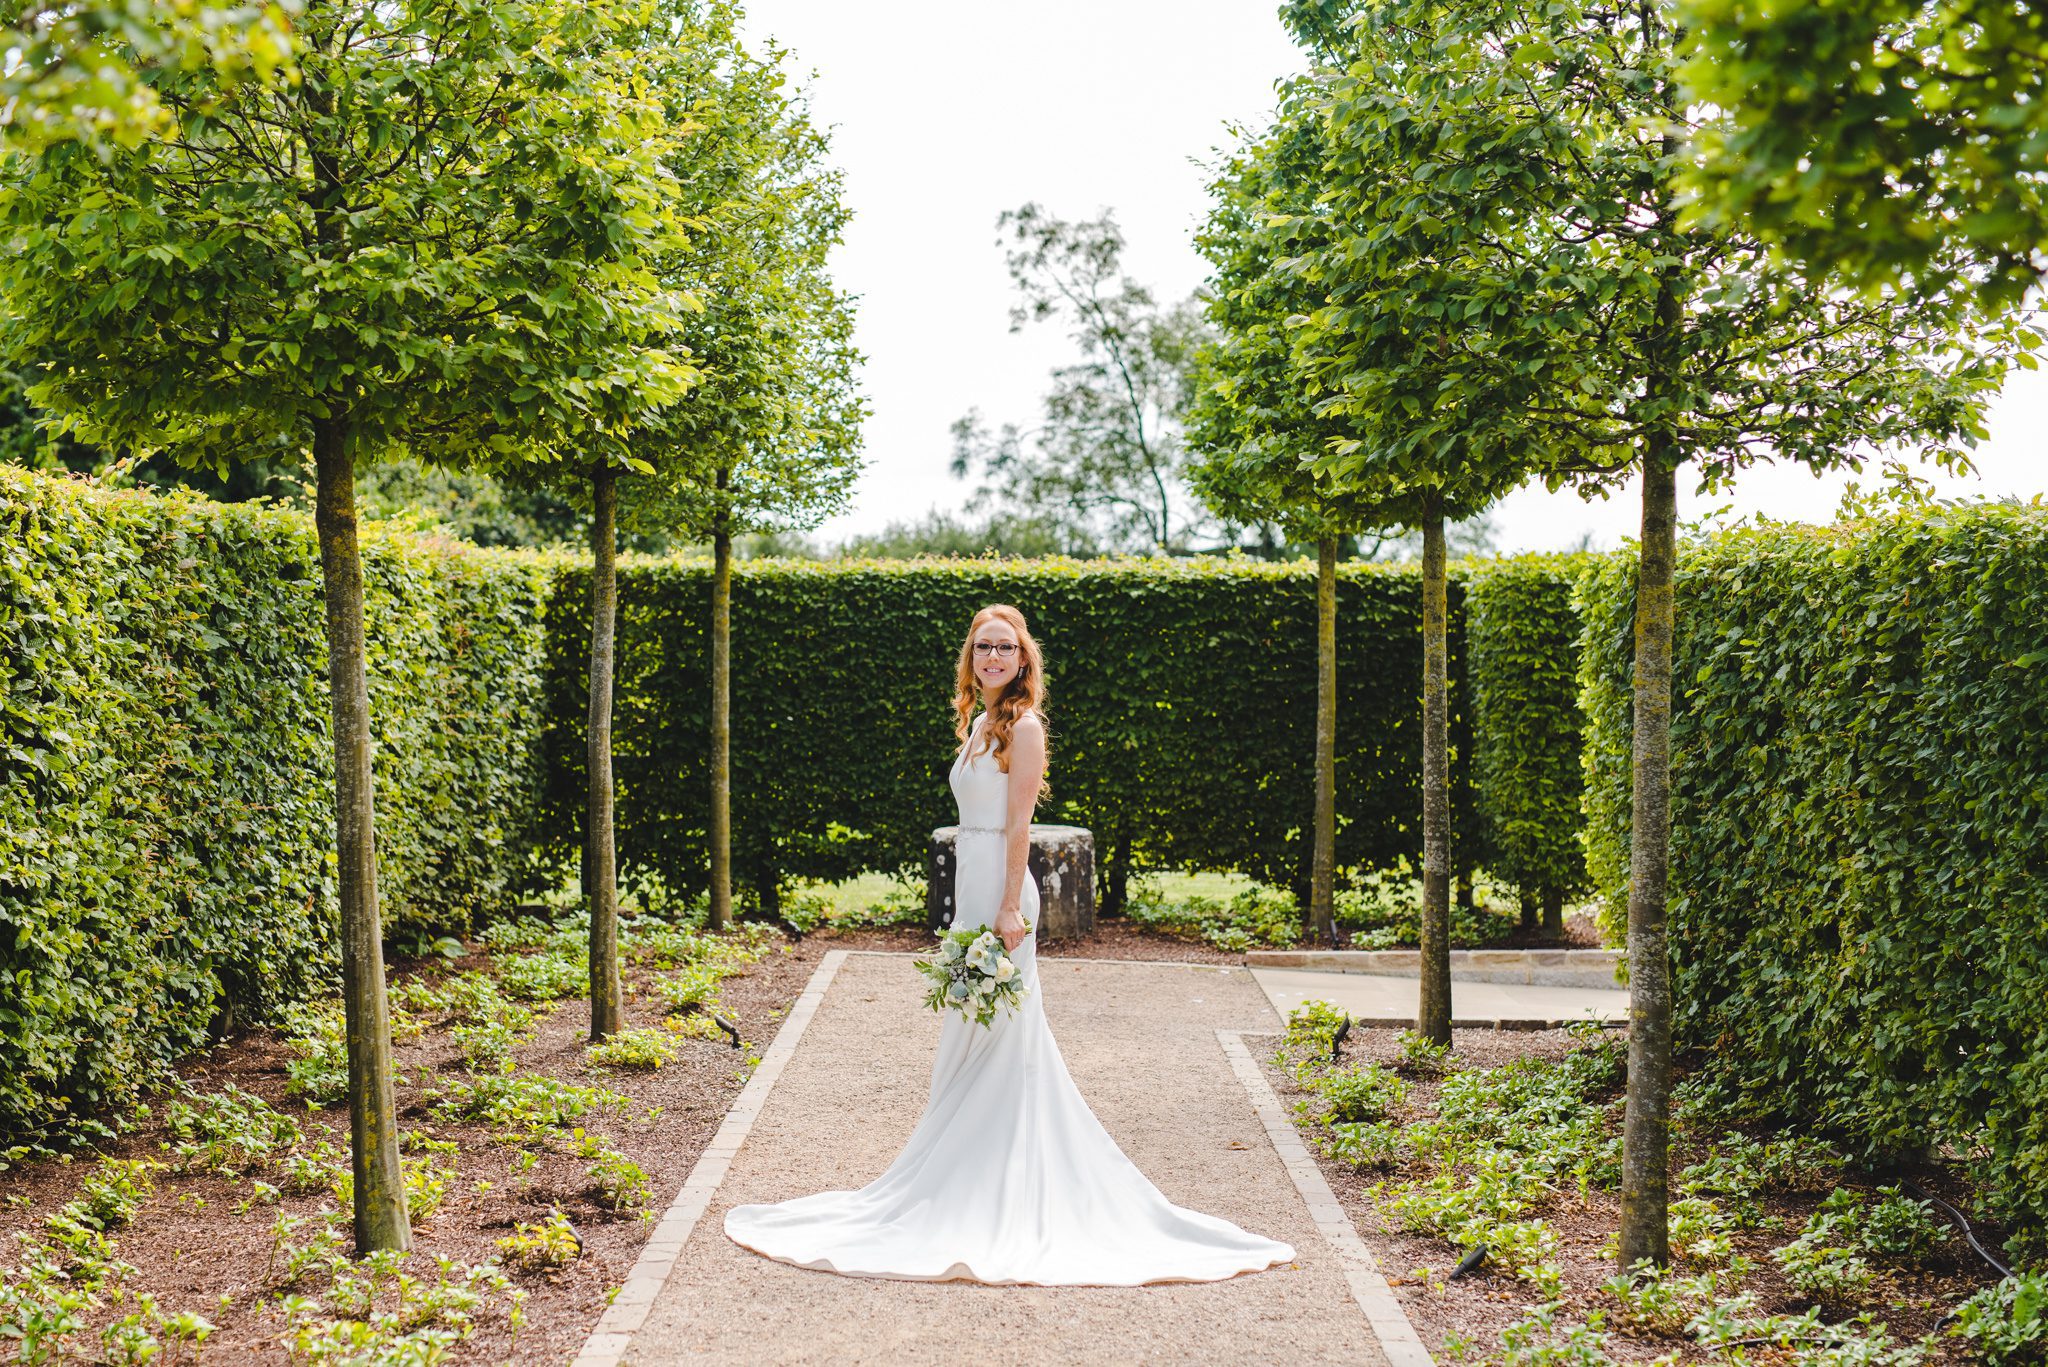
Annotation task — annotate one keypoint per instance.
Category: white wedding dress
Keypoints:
(1008, 1178)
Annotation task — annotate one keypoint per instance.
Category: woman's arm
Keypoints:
(1027, 768)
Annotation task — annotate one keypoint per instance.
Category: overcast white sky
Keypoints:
(945, 114)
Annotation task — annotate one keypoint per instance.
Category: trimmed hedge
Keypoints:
(1528, 734)
(1182, 709)
(1859, 858)
(166, 781)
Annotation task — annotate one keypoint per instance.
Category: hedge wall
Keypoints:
(1182, 709)
(166, 789)
(165, 777)
(1859, 852)
(1528, 734)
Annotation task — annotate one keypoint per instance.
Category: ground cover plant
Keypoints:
(1382, 910)
(213, 1223)
(1487, 1177)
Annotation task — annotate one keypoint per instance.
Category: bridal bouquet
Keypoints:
(973, 974)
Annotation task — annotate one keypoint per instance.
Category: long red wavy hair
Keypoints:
(1024, 692)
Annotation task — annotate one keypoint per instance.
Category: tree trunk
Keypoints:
(1645, 1159)
(380, 1216)
(1553, 912)
(1114, 878)
(1464, 886)
(1433, 1015)
(600, 849)
(768, 894)
(1322, 915)
(1529, 903)
(1646, 1125)
(721, 713)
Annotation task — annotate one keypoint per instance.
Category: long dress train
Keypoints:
(1008, 1178)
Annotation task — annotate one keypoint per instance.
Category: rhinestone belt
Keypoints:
(979, 830)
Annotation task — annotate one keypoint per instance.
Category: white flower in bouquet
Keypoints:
(972, 973)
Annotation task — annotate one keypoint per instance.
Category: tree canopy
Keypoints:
(1520, 170)
(1873, 139)
(438, 237)
(87, 71)
(768, 439)
(1254, 425)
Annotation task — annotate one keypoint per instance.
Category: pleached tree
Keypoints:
(1271, 419)
(770, 441)
(1539, 153)
(439, 241)
(1252, 430)
(766, 438)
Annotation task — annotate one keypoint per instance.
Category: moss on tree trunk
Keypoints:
(1433, 1012)
(601, 880)
(380, 1217)
(1645, 1159)
(1322, 916)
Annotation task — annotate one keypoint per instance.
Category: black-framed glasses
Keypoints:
(1002, 649)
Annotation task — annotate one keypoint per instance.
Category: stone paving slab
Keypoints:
(1536, 967)
(1143, 1043)
(1383, 1000)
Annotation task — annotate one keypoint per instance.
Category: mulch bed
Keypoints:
(1579, 933)
(190, 1248)
(1479, 1306)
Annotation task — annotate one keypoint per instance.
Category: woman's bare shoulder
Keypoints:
(1029, 722)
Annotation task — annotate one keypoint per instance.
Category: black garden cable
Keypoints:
(1969, 1234)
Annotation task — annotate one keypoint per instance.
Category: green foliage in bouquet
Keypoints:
(973, 974)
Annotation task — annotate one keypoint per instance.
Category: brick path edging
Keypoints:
(1396, 1332)
(608, 1342)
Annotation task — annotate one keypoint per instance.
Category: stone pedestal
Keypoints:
(1063, 862)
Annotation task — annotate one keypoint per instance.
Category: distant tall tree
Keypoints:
(447, 254)
(1873, 140)
(1539, 151)
(84, 70)
(1106, 463)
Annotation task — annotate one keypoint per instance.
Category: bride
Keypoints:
(1008, 1178)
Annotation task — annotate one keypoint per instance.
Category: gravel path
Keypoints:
(1140, 1041)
